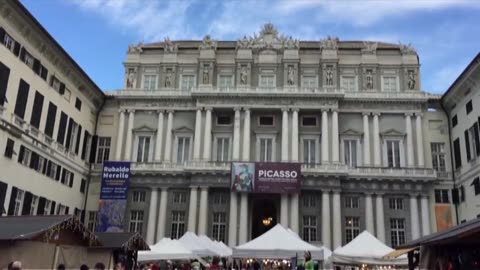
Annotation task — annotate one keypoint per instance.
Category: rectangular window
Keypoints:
(136, 221)
(178, 224)
(476, 185)
(309, 201)
(393, 154)
(92, 220)
(267, 81)
(441, 196)
(4, 76)
(350, 153)
(22, 98)
(26, 57)
(138, 196)
(9, 148)
(454, 120)
(348, 83)
(50, 123)
(220, 199)
(219, 226)
(183, 151)
(9, 42)
(188, 82)
(83, 185)
(309, 82)
(223, 149)
(47, 207)
(37, 110)
(396, 203)
(266, 121)
(310, 228)
(224, 120)
(72, 135)
(309, 121)
(469, 107)
(103, 149)
(62, 128)
(225, 82)
(143, 151)
(397, 230)
(78, 104)
(473, 144)
(33, 205)
(352, 228)
(24, 156)
(438, 156)
(18, 203)
(150, 82)
(87, 140)
(310, 151)
(266, 149)
(351, 202)
(457, 154)
(66, 175)
(57, 85)
(40, 164)
(389, 84)
(179, 197)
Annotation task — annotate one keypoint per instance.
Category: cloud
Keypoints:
(440, 79)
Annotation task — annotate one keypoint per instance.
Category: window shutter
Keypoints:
(27, 204)
(69, 133)
(33, 157)
(2, 34)
(70, 184)
(21, 153)
(4, 75)
(455, 196)
(50, 124)
(456, 151)
(9, 148)
(3, 193)
(93, 149)
(16, 48)
(467, 145)
(36, 66)
(67, 209)
(63, 175)
(79, 135)
(22, 54)
(37, 110)
(476, 185)
(477, 138)
(52, 208)
(57, 175)
(45, 163)
(11, 206)
(22, 97)
(62, 89)
(86, 135)
(44, 72)
(61, 128)
(41, 206)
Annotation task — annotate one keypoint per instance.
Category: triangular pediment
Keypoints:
(392, 132)
(351, 132)
(144, 128)
(183, 129)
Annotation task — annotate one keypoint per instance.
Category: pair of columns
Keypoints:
(419, 138)
(335, 138)
(335, 213)
(157, 216)
(207, 137)
(202, 210)
(380, 216)
(285, 136)
(414, 216)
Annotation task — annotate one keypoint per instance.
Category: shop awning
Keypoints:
(397, 253)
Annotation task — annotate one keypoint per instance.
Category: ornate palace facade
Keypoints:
(372, 146)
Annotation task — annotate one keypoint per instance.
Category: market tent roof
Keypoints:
(166, 249)
(227, 249)
(214, 246)
(365, 249)
(197, 245)
(276, 243)
(124, 240)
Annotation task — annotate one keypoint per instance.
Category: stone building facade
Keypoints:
(352, 113)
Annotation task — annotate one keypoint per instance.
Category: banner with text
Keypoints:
(265, 177)
(113, 196)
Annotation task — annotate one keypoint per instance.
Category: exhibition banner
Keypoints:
(113, 196)
(266, 177)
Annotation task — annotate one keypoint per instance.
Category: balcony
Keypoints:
(400, 173)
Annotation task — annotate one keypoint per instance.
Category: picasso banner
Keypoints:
(266, 177)
(113, 196)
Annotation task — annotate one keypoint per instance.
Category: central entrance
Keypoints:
(264, 214)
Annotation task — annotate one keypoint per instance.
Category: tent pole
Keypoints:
(55, 257)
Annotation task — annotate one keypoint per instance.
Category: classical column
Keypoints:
(414, 218)
(242, 236)
(168, 139)
(284, 135)
(236, 135)
(408, 129)
(246, 136)
(192, 210)
(369, 213)
(335, 148)
(295, 141)
(326, 219)
(380, 218)
(284, 210)
(421, 161)
(325, 144)
(203, 213)
(366, 140)
(425, 215)
(152, 217)
(337, 220)
(376, 141)
(207, 145)
(162, 214)
(198, 135)
(294, 213)
(232, 221)
(128, 145)
(121, 127)
(159, 139)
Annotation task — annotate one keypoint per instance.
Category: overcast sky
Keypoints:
(96, 33)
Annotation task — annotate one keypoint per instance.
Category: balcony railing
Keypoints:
(392, 172)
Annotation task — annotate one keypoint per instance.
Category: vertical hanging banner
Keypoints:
(113, 196)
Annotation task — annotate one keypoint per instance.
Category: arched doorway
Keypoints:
(264, 215)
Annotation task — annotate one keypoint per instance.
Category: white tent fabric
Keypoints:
(227, 249)
(276, 243)
(166, 249)
(211, 245)
(365, 249)
(197, 245)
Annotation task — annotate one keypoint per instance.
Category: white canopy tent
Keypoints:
(277, 243)
(166, 249)
(214, 246)
(365, 249)
(227, 249)
(197, 245)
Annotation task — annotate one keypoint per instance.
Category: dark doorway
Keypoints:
(264, 215)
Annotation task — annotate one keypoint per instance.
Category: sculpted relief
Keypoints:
(131, 77)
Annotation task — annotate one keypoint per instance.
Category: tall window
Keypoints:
(472, 142)
(310, 228)
(27, 155)
(18, 203)
(441, 196)
(389, 84)
(73, 136)
(267, 81)
(309, 151)
(352, 228)
(309, 201)
(309, 82)
(103, 149)
(150, 82)
(350, 153)
(219, 199)
(397, 231)
(92, 220)
(40, 163)
(183, 151)
(47, 208)
(351, 202)
(188, 82)
(179, 197)
(219, 226)
(456, 153)
(143, 150)
(33, 205)
(348, 83)
(266, 149)
(178, 224)
(225, 81)
(393, 154)
(223, 147)
(396, 203)
(138, 196)
(136, 221)
(9, 42)
(438, 156)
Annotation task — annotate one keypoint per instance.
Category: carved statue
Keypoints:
(135, 48)
(291, 43)
(268, 29)
(168, 78)
(369, 47)
(243, 43)
(330, 43)
(329, 76)
(131, 77)
(411, 80)
(369, 79)
(243, 75)
(291, 76)
(407, 48)
(208, 43)
(168, 46)
(206, 75)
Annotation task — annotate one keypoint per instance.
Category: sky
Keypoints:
(96, 33)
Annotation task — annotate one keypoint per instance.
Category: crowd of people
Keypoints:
(17, 265)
